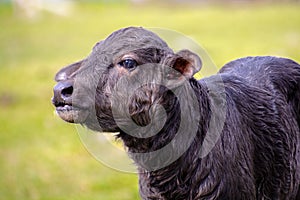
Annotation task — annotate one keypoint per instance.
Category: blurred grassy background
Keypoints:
(42, 157)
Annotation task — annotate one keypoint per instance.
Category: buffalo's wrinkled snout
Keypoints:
(62, 93)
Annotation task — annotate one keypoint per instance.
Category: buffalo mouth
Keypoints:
(71, 113)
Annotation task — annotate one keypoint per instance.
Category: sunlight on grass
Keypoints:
(41, 156)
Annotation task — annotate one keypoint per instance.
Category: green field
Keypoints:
(41, 157)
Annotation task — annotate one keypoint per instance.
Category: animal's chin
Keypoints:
(72, 114)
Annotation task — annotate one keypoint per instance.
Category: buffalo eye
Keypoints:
(128, 63)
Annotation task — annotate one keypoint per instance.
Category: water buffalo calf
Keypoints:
(234, 135)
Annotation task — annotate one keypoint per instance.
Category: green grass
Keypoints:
(42, 157)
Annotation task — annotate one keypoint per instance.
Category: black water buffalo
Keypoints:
(234, 135)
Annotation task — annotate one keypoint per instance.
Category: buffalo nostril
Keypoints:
(67, 92)
(63, 92)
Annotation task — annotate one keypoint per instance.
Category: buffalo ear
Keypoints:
(67, 71)
(187, 63)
